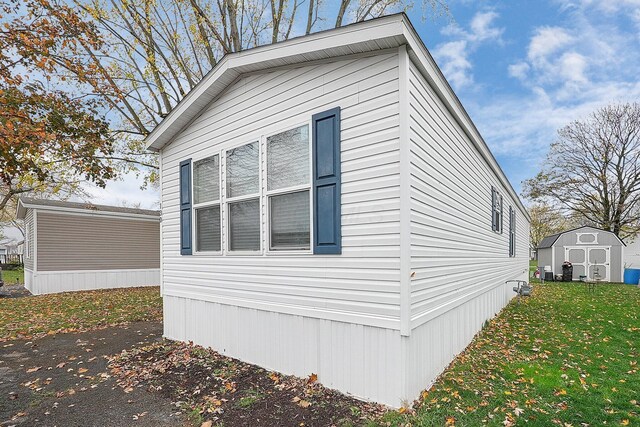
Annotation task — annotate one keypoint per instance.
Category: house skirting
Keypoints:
(49, 282)
(367, 362)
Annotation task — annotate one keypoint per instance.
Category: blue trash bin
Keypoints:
(631, 276)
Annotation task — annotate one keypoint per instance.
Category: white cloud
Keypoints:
(453, 56)
(566, 72)
(572, 66)
(455, 64)
(519, 70)
(482, 29)
(546, 41)
(125, 192)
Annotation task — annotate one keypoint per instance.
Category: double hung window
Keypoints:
(288, 195)
(206, 199)
(243, 197)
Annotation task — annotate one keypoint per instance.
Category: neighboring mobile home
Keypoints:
(329, 207)
(595, 254)
(77, 246)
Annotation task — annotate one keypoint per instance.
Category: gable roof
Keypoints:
(548, 241)
(87, 208)
(386, 32)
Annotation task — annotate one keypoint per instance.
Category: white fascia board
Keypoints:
(434, 76)
(21, 210)
(85, 212)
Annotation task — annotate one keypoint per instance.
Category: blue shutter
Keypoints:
(501, 224)
(327, 235)
(185, 208)
(493, 209)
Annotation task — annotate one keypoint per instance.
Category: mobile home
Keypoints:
(71, 246)
(329, 207)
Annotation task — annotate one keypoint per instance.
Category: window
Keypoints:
(206, 199)
(243, 197)
(496, 210)
(288, 190)
(512, 232)
(258, 197)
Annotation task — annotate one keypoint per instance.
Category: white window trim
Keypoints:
(593, 242)
(27, 240)
(289, 190)
(212, 203)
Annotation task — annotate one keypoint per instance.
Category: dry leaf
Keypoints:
(304, 404)
(30, 370)
(312, 378)
(82, 370)
(206, 424)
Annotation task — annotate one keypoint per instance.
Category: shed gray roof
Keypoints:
(548, 241)
(27, 202)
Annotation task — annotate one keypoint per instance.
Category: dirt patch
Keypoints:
(63, 380)
(212, 387)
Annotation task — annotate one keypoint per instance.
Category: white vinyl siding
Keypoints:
(29, 243)
(362, 284)
(455, 255)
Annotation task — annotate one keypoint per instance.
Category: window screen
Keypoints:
(244, 225)
(208, 228)
(243, 170)
(288, 158)
(206, 184)
(290, 221)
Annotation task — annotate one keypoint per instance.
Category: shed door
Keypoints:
(599, 263)
(578, 257)
(591, 261)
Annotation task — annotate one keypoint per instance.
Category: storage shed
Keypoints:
(594, 253)
(73, 246)
(329, 207)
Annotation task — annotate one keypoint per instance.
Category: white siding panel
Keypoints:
(51, 282)
(434, 344)
(455, 255)
(29, 252)
(362, 284)
(360, 360)
(28, 280)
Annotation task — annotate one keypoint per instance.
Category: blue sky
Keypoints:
(521, 69)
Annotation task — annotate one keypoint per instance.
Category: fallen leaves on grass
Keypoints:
(212, 387)
(36, 316)
(564, 356)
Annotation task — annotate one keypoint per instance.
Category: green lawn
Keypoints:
(564, 357)
(11, 277)
(533, 265)
(70, 311)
